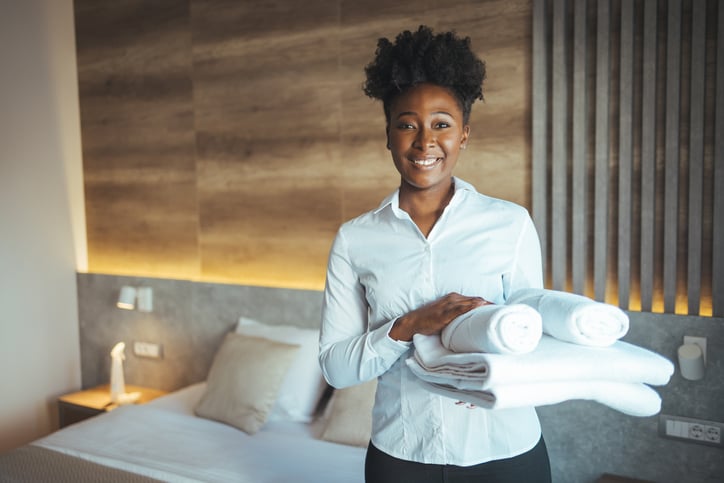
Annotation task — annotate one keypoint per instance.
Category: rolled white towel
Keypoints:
(552, 360)
(497, 329)
(634, 399)
(575, 318)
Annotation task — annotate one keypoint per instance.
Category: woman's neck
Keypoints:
(425, 206)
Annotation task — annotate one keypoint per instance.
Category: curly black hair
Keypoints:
(443, 59)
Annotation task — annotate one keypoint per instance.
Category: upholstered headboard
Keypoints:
(189, 320)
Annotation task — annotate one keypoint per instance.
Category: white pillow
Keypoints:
(244, 381)
(304, 384)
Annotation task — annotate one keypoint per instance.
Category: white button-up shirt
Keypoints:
(381, 267)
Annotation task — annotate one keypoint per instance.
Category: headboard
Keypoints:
(189, 319)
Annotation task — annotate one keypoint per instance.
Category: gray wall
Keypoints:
(587, 439)
(584, 439)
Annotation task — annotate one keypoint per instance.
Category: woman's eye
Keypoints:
(405, 125)
(442, 125)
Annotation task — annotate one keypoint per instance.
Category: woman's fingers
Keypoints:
(438, 314)
(433, 317)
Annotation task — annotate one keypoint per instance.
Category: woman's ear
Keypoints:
(387, 134)
(465, 137)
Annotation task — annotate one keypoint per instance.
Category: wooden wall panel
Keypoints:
(247, 139)
(267, 104)
(134, 71)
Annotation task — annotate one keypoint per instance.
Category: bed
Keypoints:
(261, 416)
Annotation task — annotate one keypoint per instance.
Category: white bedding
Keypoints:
(165, 440)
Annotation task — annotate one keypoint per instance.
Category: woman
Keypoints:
(433, 250)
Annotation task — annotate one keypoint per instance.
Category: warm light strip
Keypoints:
(245, 279)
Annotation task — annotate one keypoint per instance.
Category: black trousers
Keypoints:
(530, 467)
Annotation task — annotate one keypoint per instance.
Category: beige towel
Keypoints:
(552, 360)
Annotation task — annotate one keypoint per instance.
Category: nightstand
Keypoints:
(77, 406)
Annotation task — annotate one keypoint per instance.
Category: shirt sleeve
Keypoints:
(349, 352)
(527, 269)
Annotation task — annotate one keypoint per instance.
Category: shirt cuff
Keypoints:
(384, 345)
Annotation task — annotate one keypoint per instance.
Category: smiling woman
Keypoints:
(425, 139)
(433, 250)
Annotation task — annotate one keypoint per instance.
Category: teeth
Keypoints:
(424, 162)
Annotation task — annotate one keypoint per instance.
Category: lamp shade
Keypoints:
(127, 298)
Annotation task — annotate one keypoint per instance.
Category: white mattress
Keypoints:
(165, 440)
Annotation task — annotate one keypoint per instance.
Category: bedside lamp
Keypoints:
(118, 384)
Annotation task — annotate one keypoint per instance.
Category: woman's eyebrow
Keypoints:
(413, 113)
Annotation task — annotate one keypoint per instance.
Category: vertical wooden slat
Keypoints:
(671, 188)
(648, 155)
(658, 239)
(717, 283)
(696, 153)
(540, 122)
(579, 232)
(559, 153)
(625, 153)
(600, 239)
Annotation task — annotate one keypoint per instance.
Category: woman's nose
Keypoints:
(424, 139)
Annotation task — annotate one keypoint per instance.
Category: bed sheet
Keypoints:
(165, 440)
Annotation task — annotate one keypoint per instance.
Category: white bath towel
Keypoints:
(634, 399)
(498, 329)
(552, 360)
(575, 318)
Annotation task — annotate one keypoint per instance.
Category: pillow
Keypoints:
(349, 415)
(244, 380)
(304, 384)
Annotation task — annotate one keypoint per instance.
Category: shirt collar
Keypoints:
(393, 199)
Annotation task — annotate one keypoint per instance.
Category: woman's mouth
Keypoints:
(426, 163)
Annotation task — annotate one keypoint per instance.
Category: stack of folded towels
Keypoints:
(541, 347)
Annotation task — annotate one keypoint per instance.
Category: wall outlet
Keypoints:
(692, 430)
(148, 349)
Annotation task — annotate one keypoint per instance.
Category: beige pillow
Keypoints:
(244, 380)
(303, 385)
(349, 415)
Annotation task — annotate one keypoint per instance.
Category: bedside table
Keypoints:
(77, 406)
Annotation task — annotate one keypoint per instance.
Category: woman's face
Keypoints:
(425, 135)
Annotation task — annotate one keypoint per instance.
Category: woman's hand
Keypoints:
(433, 317)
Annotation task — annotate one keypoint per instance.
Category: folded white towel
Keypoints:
(634, 399)
(498, 329)
(552, 360)
(575, 318)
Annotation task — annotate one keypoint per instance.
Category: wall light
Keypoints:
(127, 298)
(692, 358)
(135, 297)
